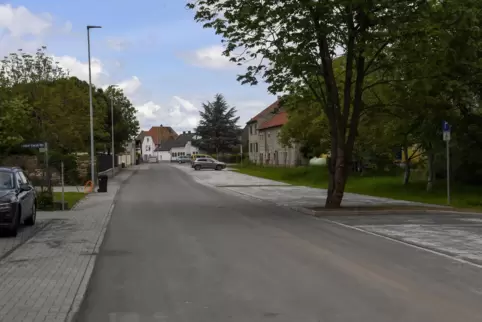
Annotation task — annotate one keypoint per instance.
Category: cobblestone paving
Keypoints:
(282, 193)
(453, 234)
(226, 177)
(9, 244)
(45, 278)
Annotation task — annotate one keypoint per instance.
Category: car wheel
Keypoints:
(197, 167)
(30, 221)
(14, 230)
(218, 168)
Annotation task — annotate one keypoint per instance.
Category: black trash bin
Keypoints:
(103, 183)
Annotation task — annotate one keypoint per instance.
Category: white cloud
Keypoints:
(212, 57)
(81, 69)
(22, 29)
(20, 21)
(130, 86)
(173, 114)
(209, 57)
(185, 104)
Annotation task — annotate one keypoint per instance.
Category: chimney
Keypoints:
(189, 132)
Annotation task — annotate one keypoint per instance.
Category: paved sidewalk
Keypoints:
(45, 278)
(282, 193)
(457, 235)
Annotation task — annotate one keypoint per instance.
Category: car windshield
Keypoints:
(6, 181)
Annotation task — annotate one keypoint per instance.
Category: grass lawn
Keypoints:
(70, 197)
(389, 186)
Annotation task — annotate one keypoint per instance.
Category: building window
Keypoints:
(251, 129)
(269, 134)
(147, 140)
(256, 147)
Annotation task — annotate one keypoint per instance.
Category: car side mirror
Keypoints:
(25, 187)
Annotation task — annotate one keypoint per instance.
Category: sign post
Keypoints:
(446, 137)
(62, 178)
(43, 147)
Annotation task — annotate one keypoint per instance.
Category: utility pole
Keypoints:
(112, 128)
(446, 138)
(91, 108)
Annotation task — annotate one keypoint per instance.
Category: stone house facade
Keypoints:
(264, 145)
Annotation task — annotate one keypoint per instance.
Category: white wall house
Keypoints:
(172, 149)
(163, 155)
(148, 148)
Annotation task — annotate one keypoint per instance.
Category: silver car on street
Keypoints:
(208, 163)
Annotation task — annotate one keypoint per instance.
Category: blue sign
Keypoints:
(34, 145)
(446, 126)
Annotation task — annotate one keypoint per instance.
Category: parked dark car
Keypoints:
(208, 163)
(18, 200)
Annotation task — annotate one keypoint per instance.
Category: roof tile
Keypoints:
(161, 134)
(279, 119)
(267, 110)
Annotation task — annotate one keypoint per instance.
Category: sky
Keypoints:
(165, 62)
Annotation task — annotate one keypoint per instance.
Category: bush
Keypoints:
(71, 172)
(45, 200)
(230, 158)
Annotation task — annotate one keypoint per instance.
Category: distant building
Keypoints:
(149, 141)
(172, 149)
(263, 141)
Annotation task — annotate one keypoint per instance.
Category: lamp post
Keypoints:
(112, 128)
(92, 155)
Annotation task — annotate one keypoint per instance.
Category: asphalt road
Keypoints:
(178, 251)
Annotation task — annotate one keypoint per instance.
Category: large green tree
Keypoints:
(126, 125)
(41, 102)
(297, 42)
(217, 130)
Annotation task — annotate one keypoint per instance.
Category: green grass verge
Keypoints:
(389, 186)
(70, 197)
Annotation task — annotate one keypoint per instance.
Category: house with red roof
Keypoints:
(264, 145)
(153, 139)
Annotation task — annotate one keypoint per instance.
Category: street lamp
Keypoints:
(112, 126)
(92, 156)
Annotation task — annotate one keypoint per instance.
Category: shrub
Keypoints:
(45, 200)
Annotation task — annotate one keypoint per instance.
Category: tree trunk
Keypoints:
(337, 181)
(406, 174)
(430, 171)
